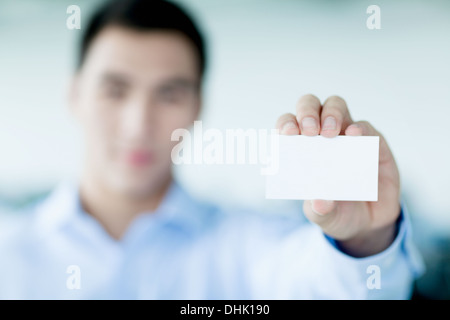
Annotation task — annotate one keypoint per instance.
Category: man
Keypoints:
(128, 230)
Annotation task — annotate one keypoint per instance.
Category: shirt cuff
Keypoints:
(398, 225)
(398, 264)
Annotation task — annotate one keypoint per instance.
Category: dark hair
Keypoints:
(144, 15)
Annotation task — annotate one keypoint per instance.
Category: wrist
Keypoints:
(369, 242)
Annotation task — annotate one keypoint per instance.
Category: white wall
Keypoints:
(264, 56)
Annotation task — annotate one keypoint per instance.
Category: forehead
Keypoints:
(146, 53)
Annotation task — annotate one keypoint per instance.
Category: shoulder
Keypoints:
(20, 226)
(16, 230)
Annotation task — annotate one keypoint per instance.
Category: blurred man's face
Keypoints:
(133, 90)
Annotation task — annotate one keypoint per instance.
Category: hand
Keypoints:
(360, 228)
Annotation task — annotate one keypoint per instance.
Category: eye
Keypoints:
(170, 94)
(115, 91)
(173, 94)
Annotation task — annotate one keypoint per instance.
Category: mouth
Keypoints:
(138, 158)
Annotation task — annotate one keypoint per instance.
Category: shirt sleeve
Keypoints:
(386, 275)
(298, 261)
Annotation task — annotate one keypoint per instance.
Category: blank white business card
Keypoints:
(342, 168)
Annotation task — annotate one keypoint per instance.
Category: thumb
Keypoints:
(320, 212)
(339, 219)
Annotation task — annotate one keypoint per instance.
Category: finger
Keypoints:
(335, 117)
(364, 128)
(361, 128)
(287, 124)
(388, 193)
(354, 130)
(308, 115)
(320, 212)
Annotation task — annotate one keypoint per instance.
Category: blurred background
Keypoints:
(263, 55)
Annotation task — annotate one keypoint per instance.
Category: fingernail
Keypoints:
(325, 206)
(315, 211)
(329, 123)
(309, 123)
(318, 213)
(288, 125)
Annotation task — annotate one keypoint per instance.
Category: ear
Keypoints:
(198, 106)
(73, 94)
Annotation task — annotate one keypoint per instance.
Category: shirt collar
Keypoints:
(62, 207)
(179, 208)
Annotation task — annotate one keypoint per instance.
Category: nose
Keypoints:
(138, 121)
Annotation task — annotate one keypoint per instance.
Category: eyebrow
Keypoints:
(115, 78)
(180, 82)
(120, 79)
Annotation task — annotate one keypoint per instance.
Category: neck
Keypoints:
(114, 210)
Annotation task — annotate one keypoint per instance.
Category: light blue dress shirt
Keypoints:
(189, 250)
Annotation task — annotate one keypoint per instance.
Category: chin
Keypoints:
(141, 186)
(138, 182)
